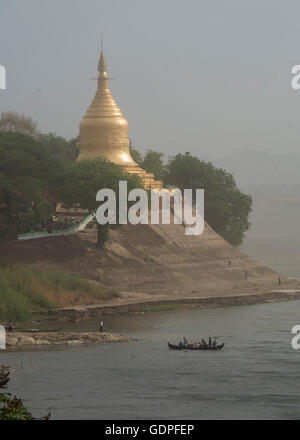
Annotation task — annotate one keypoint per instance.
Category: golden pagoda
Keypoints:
(103, 131)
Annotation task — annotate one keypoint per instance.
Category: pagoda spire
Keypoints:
(102, 66)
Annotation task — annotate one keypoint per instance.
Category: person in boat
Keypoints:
(185, 342)
(215, 343)
(209, 342)
(204, 344)
(180, 344)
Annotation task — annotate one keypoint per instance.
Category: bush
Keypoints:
(27, 290)
(13, 409)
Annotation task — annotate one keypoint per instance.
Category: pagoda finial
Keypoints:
(102, 67)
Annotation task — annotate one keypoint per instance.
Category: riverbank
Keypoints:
(28, 289)
(60, 326)
(25, 339)
(142, 268)
(143, 263)
(168, 304)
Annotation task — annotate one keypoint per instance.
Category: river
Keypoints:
(256, 375)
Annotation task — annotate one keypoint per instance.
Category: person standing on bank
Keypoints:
(101, 326)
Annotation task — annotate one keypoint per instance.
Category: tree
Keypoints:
(85, 178)
(12, 121)
(13, 408)
(136, 156)
(226, 207)
(60, 148)
(29, 180)
(153, 163)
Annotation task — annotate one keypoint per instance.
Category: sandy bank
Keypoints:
(17, 339)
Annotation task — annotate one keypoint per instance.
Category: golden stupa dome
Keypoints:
(103, 131)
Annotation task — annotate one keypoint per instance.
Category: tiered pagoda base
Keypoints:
(148, 179)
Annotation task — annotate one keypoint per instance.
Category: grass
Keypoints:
(27, 290)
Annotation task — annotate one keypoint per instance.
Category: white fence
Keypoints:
(56, 233)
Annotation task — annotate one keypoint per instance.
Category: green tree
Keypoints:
(29, 179)
(136, 156)
(153, 163)
(13, 408)
(85, 178)
(60, 148)
(226, 208)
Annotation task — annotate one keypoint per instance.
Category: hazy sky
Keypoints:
(207, 76)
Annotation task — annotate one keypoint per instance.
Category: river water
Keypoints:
(256, 375)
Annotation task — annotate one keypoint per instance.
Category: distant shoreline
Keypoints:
(42, 339)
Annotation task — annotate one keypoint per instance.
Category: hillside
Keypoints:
(147, 262)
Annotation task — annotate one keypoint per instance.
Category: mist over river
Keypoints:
(256, 375)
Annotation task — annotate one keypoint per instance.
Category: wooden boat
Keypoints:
(175, 347)
(191, 347)
(4, 367)
(47, 417)
(4, 375)
(4, 382)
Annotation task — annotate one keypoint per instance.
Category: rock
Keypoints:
(10, 341)
(74, 342)
(42, 342)
(63, 338)
(26, 341)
